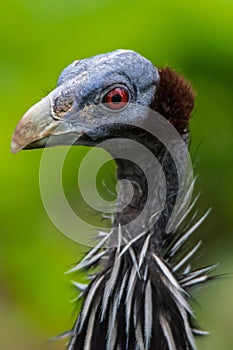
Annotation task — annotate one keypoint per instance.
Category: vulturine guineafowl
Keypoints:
(138, 295)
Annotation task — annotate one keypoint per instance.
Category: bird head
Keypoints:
(92, 95)
(97, 96)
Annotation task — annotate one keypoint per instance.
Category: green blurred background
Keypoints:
(38, 39)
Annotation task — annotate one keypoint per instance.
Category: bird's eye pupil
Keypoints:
(116, 99)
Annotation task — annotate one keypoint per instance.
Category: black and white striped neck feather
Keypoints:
(139, 298)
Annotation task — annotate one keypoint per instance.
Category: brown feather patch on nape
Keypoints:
(174, 99)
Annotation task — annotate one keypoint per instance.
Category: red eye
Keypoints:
(116, 99)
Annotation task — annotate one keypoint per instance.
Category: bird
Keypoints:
(141, 277)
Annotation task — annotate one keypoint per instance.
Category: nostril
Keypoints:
(63, 103)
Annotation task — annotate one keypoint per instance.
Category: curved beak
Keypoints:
(38, 128)
(36, 124)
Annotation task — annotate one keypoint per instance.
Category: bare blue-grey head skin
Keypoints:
(139, 297)
(70, 111)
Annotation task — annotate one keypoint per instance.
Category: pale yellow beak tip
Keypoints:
(32, 126)
(15, 147)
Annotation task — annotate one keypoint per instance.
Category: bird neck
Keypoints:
(147, 191)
